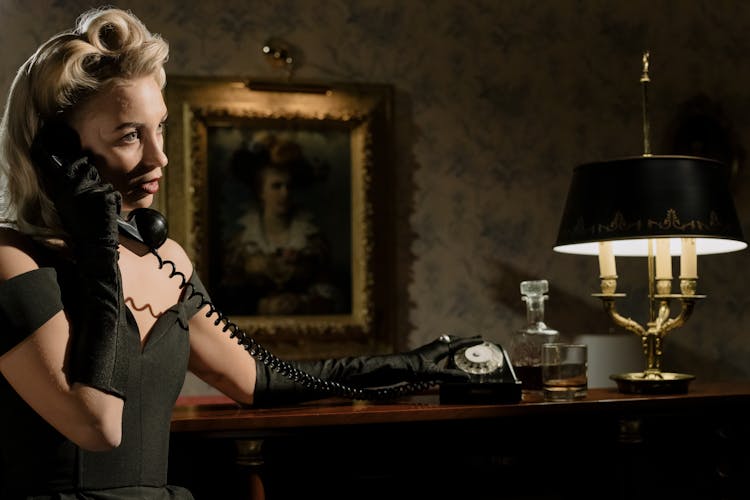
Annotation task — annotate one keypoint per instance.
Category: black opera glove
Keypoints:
(88, 210)
(422, 364)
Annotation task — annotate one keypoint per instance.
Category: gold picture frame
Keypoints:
(207, 114)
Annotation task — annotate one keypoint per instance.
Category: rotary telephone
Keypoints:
(492, 378)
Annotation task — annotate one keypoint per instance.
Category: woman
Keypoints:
(278, 257)
(96, 337)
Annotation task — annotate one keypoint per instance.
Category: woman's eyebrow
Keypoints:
(137, 125)
(129, 125)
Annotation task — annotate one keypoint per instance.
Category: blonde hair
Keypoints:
(106, 47)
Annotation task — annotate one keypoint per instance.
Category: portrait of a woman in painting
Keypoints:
(278, 256)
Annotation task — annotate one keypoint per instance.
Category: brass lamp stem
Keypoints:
(646, 126)
(651, 281)
(620, 320)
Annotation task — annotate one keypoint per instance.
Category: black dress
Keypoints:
(40, 463)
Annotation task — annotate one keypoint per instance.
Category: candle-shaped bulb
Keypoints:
(663, 259)
(606, 260)
(688, 259)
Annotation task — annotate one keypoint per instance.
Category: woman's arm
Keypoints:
(35, 368)
(219, 361)
(215, 358)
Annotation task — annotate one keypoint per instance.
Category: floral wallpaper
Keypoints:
(496, 103)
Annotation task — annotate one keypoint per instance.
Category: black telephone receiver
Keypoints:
(57, 145)
(145, 225)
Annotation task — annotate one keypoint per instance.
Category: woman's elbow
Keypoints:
(99, 439)
(99, 425)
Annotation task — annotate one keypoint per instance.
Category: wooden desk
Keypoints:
(609, 445)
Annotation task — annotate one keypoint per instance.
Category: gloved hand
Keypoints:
(87, 207)
(88, 210)
(419, 365)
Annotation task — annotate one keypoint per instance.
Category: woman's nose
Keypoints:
(153, 154)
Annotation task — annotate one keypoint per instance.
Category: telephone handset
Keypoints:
(492, 378)
(145, 225)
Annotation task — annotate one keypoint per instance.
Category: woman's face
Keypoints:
(122, 128)
(275, 191)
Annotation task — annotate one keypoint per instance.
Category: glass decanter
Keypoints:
(526, 345)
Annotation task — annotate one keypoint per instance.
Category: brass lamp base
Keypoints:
(651, 383)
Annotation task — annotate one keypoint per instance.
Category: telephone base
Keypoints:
(480, 393)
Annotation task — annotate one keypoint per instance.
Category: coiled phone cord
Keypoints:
(257, 351)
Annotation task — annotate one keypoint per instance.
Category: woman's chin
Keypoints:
(144, 201)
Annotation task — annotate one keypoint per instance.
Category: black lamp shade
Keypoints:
(649, 197)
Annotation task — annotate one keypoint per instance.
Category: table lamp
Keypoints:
(654, 207)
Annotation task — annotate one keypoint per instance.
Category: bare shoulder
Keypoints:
(16, 254)
(173, 252)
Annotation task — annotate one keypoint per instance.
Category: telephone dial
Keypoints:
(492, 379)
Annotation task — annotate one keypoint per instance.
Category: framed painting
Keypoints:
(276, 192)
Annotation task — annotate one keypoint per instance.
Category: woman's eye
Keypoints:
(130, 137)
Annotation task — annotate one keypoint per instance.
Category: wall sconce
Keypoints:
(279, 55)
(655, 207)
(282, 56)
